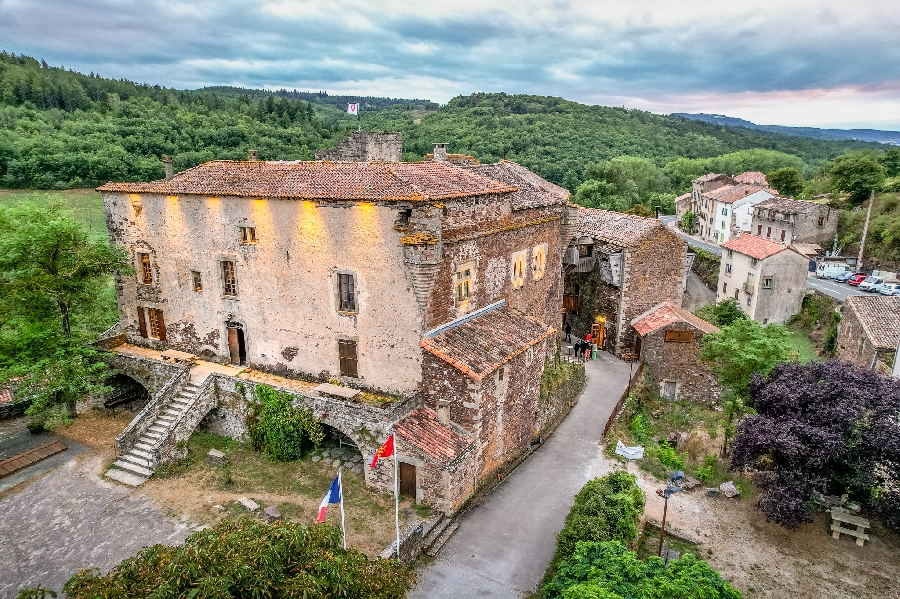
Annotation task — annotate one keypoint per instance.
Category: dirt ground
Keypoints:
(762, 559)
(195, 494)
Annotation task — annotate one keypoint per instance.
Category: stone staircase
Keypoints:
(136, 465)
(437, 530)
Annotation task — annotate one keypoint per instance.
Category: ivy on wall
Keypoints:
(278, 428)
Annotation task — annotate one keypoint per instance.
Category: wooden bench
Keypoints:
(840, 516)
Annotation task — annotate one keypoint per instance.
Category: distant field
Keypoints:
(86, 203)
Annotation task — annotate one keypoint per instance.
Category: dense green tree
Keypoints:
(788, 181)
(891, 161)
(683, 170)
(858, 174)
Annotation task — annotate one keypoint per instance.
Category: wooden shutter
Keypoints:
(142, 322)
(347, 355)
(161, 324)
(679, 336)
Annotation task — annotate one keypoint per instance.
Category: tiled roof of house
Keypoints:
(684, 196)
(665, 314)
(808, 249)
(438, 441)
(532, 190)
(613, 227)
(730, 194)
(708, 177)
(483, 341)
(787, 205)
(322, 180)
(880, 317)
(753, 178)
(753, 246)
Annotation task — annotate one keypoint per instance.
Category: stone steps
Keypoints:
(442, 540)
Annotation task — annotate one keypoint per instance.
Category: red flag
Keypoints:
(385, 451)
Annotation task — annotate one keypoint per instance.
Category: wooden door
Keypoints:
(234, 347)
(407, 480)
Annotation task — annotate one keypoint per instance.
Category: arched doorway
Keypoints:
(237, 344)
(126, 394)
(340, 449)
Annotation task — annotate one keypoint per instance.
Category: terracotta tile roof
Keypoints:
(684, 196)
(438, 441)
(483, 341)
(787, 205)
(753, 178)
(664, 315)
(322, 180)
(880, 317)
(613, 227)
(533, 190)
(753, 246)
(6, 395)
(730, 194)
(808, 249)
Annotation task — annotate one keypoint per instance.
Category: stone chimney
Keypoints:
(440, 152)
(252, 155)
(443, 411)
(167, 162)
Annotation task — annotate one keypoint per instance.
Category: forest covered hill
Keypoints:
(878, 135)
(60, 129)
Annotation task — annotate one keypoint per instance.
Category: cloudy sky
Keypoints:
(832, 63)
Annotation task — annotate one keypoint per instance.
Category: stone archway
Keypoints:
(126, 394)
(341, 449)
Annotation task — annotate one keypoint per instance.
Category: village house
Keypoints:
(723, 206)
(794, 221)
(617, 267)
(432, 286)
(669, 343)
(767, 279)
(869, 331)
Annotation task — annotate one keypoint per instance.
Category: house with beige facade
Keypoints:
(767, 279)
(723, 206)
(416, 298)
(794, 221)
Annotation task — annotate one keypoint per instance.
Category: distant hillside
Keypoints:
(323, 98)
(872, 135)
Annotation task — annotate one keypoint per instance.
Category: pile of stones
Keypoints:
(340, 456)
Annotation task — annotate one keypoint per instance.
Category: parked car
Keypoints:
(846, 276)
(829, 270)
(872, 284)
(856, 279)
(890, 289)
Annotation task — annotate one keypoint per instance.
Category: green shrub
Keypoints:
(247, 558)
(607, 570)
(706, 472)
(279, 429)
(640, 427)
(669, 457)
(606, 509)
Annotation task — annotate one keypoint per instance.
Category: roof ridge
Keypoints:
(466, 317)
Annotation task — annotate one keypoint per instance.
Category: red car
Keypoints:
(856, 279)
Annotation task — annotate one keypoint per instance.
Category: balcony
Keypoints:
(748, 288)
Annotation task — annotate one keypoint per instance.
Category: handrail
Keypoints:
(163, 446)
(148, 414)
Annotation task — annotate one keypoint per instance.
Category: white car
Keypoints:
(872, 284)
(890, 289)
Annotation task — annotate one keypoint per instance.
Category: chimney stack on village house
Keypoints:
(167, 162)
(443, 411)
(252, 155)
(440, 152)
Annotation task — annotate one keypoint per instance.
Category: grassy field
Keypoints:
(803, 345)
(85, 202)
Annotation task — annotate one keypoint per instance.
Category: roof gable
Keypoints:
(665, 314)
(322, 180)
(441, 443)
(532, 190)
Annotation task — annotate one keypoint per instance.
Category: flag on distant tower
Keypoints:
(385, 451)
(353, 108)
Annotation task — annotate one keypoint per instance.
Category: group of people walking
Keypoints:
(583, 347)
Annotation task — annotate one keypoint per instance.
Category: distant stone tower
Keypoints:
(366, 146)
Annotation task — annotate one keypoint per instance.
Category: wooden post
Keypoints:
(662, 530)
(862, 243)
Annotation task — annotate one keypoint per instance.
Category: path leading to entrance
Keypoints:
(503, 547)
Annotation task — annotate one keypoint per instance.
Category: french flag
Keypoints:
(332, 496)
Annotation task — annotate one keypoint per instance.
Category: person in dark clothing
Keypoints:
(568, 332)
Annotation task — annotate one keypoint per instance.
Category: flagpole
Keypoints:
(341, 485)
(396, 496)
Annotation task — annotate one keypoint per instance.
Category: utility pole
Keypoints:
(862, 243)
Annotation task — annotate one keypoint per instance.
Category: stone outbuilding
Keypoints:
(617, 267)
(869, 331)
(794, 221)
(669, 346)
(767, 279)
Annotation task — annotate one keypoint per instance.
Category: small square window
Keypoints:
(753, 262)
(229, 282)
(248, 234)
(146, 271)
(749, 298)
(403, 218)
(196, 280)
(463, 283)
(724, 288)
(767, 282)
(348, 358)
(501, 372)
(821, 221)
(737, 293)
(731, 253)
(347, 293)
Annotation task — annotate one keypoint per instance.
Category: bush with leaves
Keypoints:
(278, 428)
(826, 427)
(606, 509)
(247, 558)
(607, 570)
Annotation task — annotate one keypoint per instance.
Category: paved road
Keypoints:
(503, 547)
(691, 241)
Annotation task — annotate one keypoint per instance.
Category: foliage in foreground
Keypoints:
(607, 570)
(247, 558)
(279, 429)
(723, 314)
(827, 427)
(606, 509)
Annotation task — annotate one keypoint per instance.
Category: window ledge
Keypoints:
(229, 297)
(346, 313)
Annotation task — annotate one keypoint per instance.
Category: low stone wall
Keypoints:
(126, 440)
(412, 543)
(13, 409)
(555, 407)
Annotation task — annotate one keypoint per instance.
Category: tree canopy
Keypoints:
(788, 181)
(858, 174)
(825, 427)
